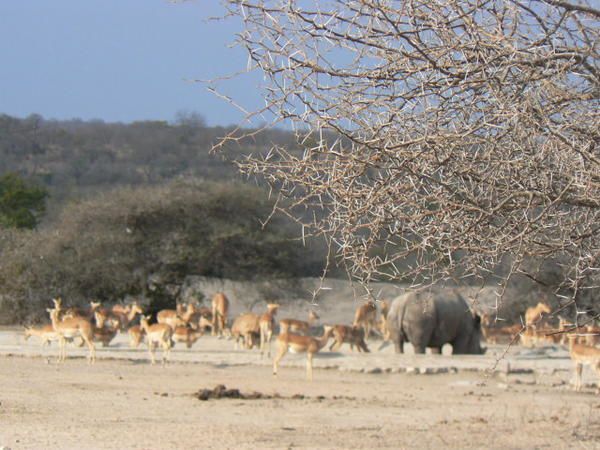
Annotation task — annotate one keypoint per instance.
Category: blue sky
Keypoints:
(118, 60)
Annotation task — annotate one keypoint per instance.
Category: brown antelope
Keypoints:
(85, 313)
(169, 317)
(45, 332)
(266, 324)
(193, 318)
(70, 328)
(220, 309)
(349, 335)
(533, 337)
(127, 314)
(298, 326)
(190, 315)
(104, 335)
(592, 335)
(581, 355)
(205, 323)
(494, 335)
(119, 308)
(533, 314)
(301, 344)
(206, 312)
(186, 335)
(382, 324)
(246, 327)
(136, 334)
(103, 314)
(365, 317)
(105, 317)
(563, 326)
(157, 334)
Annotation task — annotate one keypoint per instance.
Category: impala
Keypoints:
(245, 327)
(266, 325)
(45, 332)
(581, 355)
(301, 344)
(157, 334)
(186, 335)
(136, 334)
(220, 309)
(533, 314)
(169, 317)
(349, 335)
(298, 326)
(365, 317)
(70, 328)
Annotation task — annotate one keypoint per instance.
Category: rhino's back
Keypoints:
(430, 318)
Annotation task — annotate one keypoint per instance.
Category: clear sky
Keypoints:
(118, 60)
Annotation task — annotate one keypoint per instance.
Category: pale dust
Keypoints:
(130, 404)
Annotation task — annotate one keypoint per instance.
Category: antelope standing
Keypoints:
(266, 324)
(382, 324)
(104, 335)
(365, 317)
(117, 318)
(220, 309)
(533, 314)
(349, 335)
(298, 326)
(493, 335)
(169, 317)
(136, 333)
(245, 327)
(301, 344)
(70, 328)
(127, 314)
(157, 334)
(581, 355)
(186, 335)
(45, 332)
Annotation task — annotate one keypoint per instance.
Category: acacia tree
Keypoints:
(466, 132)
(22, 204)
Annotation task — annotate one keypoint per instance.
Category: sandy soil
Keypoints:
(127, 403)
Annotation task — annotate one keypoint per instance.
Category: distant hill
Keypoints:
(75, 158)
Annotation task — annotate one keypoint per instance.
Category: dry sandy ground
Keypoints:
(131, 404)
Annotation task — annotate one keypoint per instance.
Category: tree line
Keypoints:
(144, 241)
(104, 210)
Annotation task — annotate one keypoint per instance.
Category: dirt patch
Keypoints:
(121, 404)
(220, 391)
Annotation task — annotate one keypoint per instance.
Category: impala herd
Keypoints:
(188, 322)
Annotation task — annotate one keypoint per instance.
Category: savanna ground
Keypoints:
(124, 402)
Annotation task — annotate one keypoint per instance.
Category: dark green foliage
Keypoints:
(76, 158)
(145, 241)
(21, 203)
(116, 219)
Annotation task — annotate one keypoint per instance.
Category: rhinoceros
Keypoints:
(432, 319)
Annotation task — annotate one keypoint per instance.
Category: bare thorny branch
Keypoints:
(438, 136)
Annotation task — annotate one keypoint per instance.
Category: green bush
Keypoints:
(21, 204)
(111, 245)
